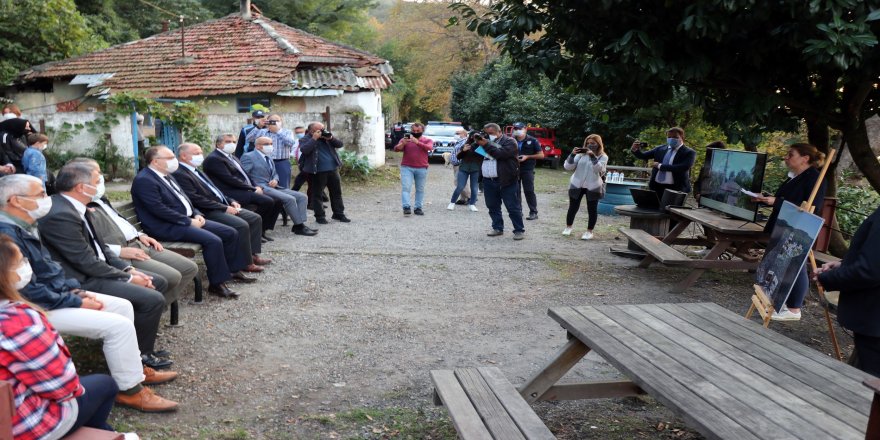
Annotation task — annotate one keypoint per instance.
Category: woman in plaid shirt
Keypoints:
(50, 399)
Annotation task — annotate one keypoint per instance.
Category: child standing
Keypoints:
(33, 161)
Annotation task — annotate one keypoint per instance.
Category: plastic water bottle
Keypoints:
(614, 177)
(621, 177)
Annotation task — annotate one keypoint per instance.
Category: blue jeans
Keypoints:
(407, 175)
(495, 194)
(95, 404)
(282, 167)
(799, 290)
(463, 177)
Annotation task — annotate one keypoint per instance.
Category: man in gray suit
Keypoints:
(75, 244)
(260, 168)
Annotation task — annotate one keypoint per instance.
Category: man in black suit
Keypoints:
(67, 232)
(672, 163)
(857, 277)
(208, 199)
(166, 213)
(226, 172)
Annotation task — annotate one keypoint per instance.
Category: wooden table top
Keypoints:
(726, 376)
(718, 222)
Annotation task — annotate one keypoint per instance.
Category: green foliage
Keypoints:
(33, 32)
(56, 158)
(855, 201)
(353, 167)
(187, 116)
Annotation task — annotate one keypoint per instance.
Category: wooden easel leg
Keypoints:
(751, 310)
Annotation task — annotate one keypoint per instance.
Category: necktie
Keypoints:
(247, 178)
(216, 190)
(179, 192)
(94, 243)
(667, 159)
(271, 166)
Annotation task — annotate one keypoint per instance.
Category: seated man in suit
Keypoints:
(72, 241)
(167, 214)
(72, 310)
(259, 166)
(137, 248)
(208, 199)
(226, 172)
(672, 163)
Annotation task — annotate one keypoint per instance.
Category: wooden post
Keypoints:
(326, 116)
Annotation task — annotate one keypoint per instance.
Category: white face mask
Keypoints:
(492, 137)
(268, 149)
(519, 132)
(100, 189)
(229, 148)
(44, 205)
(197, 160)
(25, 273)
(171, 165)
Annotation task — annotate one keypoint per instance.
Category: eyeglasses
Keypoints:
(40, 195)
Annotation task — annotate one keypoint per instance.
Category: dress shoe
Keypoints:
(321, 221)
(153, 377)
(262, 261)
(153, 362)
(495, 233)
(253, 268)
(267, 238)
(263, 240)
(147, 401)
(242, 278)
(222, 291)
(164, 354)
(302, 229)
(341, 218)
(532, 216)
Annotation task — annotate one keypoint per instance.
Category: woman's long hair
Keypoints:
(8, 263)
(598, 139)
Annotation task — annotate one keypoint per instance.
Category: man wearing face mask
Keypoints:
(226, 172)
(529, 153)
(208, 199)
(283, 142)
(461, 136)
(258, 164)
(414, 166)
(68, 234)
(672, 163)
(243, 146)
(167, 213)
(500, 171)
(319, 158)
(72, 310)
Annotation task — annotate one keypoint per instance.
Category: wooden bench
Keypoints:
(189, 250)
(7, 412)
(484, 405)
(653, 246)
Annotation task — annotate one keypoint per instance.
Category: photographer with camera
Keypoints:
(318, 155)
(501, 179)
(414, 166)
(469, 164)
(672, 162)
(589, 163)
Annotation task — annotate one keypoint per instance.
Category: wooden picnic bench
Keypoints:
(7, 411)
(725, 233)
(727, 377)
(484, 405)
(189, 250)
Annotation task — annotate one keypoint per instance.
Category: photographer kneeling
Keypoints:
(589, 163)
(500, 179)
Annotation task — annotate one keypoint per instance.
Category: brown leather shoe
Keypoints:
(147, 401)
(153, 377)
(242, 278)
(262, 261)
(253, 268)
(222, 290)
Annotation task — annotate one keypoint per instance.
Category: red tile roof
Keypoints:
(227, 56)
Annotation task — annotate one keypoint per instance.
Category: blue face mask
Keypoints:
(300, 135)
(673, 142)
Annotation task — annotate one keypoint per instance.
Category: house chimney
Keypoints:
(164, 25)
(246, 9)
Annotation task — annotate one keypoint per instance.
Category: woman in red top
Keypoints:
(50, 399)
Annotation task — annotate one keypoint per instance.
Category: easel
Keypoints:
(761, 302)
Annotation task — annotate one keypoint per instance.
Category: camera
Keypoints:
(477, 135)
(408, 136)
(271, 122)
(643, 145)
(326, 134)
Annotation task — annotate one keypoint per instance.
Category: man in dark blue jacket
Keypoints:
(672, 163)
(857, 277)
(529, 153)
(243, 146)
(500, 171)
(318, 156)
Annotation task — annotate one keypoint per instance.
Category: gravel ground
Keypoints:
(350, 322)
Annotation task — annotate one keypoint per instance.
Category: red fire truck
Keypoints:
(547, 138)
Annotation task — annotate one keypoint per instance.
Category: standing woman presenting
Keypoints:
(802, 161)
(589, 162)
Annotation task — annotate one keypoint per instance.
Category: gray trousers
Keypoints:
(295, 203)
(249, 226)
(177, 270)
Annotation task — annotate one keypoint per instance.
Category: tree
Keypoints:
(33, 32)
(758, 64)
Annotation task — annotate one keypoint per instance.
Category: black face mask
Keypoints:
(417, 135)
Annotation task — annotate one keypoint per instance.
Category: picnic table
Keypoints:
(727, 377)
(722, 233)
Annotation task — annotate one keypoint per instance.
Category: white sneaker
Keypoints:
(450, 206)
(473, 208)
(786, 315)
(587, 236)
(566, 231)
(131, 436)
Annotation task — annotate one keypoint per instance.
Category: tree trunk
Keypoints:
(856, 139)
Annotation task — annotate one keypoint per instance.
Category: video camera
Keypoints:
(326, 134)
(476, 135)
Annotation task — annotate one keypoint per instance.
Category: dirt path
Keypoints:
(337, 337)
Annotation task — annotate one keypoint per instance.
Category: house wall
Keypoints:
(83, 140)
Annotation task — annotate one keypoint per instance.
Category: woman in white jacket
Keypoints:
(589, 163)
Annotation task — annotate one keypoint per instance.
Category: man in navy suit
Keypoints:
(226, 172)
(672, 163)
(167, 213)
(259, 166)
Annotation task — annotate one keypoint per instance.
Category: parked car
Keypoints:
(443, 135)
(388, 145)
(547, 138)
